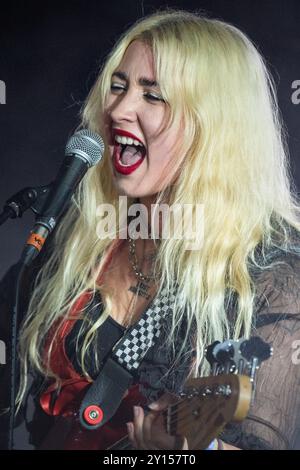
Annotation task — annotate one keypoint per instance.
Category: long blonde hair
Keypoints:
(235, 162)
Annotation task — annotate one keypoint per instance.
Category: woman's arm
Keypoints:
(273, 418)
(274, 415)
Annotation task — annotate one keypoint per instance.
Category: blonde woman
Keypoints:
(189, 115)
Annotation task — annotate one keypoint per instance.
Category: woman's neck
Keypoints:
(152, 228)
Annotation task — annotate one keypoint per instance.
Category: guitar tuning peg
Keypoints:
(242, 356)
(220, 356)
(256, 347)
(209, 352)
(255, 351)
(224, 353)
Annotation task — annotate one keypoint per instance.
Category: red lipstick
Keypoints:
(125, 134)
(119, 167)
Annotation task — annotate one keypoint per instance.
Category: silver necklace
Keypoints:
(134, 263)
(144, 280)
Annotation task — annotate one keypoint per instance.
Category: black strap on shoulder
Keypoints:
(104, 396)
(106, 392)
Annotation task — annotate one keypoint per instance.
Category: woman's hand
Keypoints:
(148, 432)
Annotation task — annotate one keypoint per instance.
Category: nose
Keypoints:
(124, 107)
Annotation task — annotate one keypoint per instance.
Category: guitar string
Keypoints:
(171, 412)
(166, 414)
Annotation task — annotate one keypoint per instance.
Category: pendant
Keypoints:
(141, 289)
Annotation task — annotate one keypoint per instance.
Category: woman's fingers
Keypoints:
(148, 432)
(138, 422)
(148, 429)
(163, 402)
(130, 430)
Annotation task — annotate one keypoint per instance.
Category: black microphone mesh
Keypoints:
(87, 145)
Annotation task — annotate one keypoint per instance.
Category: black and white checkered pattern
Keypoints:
(132, 348)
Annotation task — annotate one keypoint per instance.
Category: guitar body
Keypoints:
(211, 402)
(206, 405)
(68, 434)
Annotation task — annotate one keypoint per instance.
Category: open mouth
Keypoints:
(131, 154)
(128, 157)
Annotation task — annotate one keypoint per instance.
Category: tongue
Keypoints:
(130, 155)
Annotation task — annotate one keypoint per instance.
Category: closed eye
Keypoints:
(149, 96)
(115, 87)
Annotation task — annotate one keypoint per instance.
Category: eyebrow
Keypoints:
(143, 81)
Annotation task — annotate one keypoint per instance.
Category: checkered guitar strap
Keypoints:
(104, 396)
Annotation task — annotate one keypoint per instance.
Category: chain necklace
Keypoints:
(134, 263)
(144, 281)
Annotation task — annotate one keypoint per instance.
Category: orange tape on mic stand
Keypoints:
(36, 240)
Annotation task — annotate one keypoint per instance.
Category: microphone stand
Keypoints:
(34, 199)
(87, 147)
(13, 353)
(27, 198)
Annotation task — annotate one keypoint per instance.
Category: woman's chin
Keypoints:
(124, 189)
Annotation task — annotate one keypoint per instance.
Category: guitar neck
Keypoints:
(122, 444)
(213, 401)
(207, 404)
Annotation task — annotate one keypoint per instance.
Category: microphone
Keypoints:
(83, 150)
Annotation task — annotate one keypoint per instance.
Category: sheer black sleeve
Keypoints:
(274, 418)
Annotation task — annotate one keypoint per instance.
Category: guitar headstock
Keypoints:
(243, 357)
(208, 403)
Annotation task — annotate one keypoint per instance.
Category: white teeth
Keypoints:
(127, 140)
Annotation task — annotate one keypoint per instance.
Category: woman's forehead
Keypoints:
(138, 56)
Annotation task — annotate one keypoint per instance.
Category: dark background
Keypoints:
(49, 56)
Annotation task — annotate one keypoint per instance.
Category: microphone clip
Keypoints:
(27, 198)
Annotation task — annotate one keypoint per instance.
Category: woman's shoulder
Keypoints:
(277, 282)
